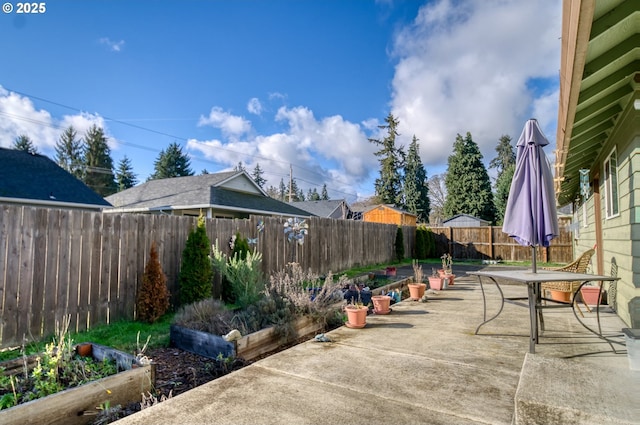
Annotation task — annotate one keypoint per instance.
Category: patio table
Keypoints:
(534, 296)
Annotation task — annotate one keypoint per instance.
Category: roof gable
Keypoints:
(28, 177)
(321, 208)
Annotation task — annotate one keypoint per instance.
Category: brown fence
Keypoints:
(490, 243)
(55, 262)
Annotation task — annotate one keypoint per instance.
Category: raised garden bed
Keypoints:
(248, 347)
(78, 405)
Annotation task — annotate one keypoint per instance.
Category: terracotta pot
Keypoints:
(591, 294)
(451, 277)
(85, 349)
(356, 316)
(381, 304)
(416, 290)
(390, 271)
(435, 283)
(560, 296)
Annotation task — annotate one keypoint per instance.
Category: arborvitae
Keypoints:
(153, 296)
(399, 244)
(196, 273)
(421, 243)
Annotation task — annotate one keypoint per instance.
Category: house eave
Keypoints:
(53, 204)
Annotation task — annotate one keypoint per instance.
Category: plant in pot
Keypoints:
(381, 304)
(435, 281)
(417, 288)
(356, 314)
(447, 268)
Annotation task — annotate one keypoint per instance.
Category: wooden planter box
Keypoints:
(248, 347)
(77, 406)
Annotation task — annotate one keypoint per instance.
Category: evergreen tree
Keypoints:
(313, 195)
(503, 185)
(69, 152)
(171, 163)
(272, 191)
(152, 301)
(257, 176)
(389, 185)
(125, 176)
(467, 182)
(300, 195)
(504, 163)
(196, 274)
(293, 192)
(416, 191)
(239, 167)
(506, 155)
(24, 143)
(282, 190)
(98, 163)
(324, 195)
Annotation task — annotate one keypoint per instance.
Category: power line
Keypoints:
(161, 133)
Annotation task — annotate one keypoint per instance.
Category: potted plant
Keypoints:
(417, 288)
(591, 294)
(381, 304)
(356, 315)
(447, 268)
(390, 271)
(435, 280)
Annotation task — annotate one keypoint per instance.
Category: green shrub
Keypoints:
(210, 315)
(430, 244)
(421, 243)
(244, 275)
(399, 244)
(152, 301)
(196, 275)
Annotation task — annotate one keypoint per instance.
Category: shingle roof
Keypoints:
(26, 177)
(319, 208)
(198, 192)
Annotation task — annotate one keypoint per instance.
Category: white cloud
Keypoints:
(22, 118)
(254, 106)
(469, 66)
(232, 125)
(114, 46)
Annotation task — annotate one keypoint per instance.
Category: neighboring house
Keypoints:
(338, 209)
(33, 179)
(389, 214)
(599, 132)
(465, 220)
(231, 194)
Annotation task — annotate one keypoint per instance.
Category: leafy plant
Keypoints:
(243, 274)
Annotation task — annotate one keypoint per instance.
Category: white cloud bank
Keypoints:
(471, 66)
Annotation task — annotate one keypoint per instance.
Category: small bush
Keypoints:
(153, 296)
(421, 243)
(399, 244)
(208, 315)
(244, 275)
(196, 275)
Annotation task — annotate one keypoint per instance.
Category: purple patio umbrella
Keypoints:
(530, 217)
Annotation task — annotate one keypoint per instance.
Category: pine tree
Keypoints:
(324, 195)
(125, 175)
(69, 152)
(293, 192)
(504, 163)
(152, 301)
(503, 185)
(467, 182)
(282, 190)
(196, 274)
(389, 185)
(313, 195)
(257, 176)
(171, 163)
(239, 167)
(416, 191)
(24, 143)
(98, 163)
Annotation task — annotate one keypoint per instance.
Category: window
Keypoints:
(611, 184)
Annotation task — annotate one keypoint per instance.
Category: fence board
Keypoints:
(75, 266)
(62, 288)
(26, 270)
(51, 272)
(10, 307)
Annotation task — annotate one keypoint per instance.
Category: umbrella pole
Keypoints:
(534, 265)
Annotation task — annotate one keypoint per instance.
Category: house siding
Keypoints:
(620, 233)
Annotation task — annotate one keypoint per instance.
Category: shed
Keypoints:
(389, 214)
(465, 220)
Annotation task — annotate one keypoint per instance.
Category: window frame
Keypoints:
(611, 186)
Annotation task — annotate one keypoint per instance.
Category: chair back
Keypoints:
(581, 264)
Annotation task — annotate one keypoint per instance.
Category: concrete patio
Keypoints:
(422, 364)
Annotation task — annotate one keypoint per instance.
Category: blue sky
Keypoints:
(281, 82)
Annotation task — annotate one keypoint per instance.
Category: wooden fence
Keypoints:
(56, 262)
